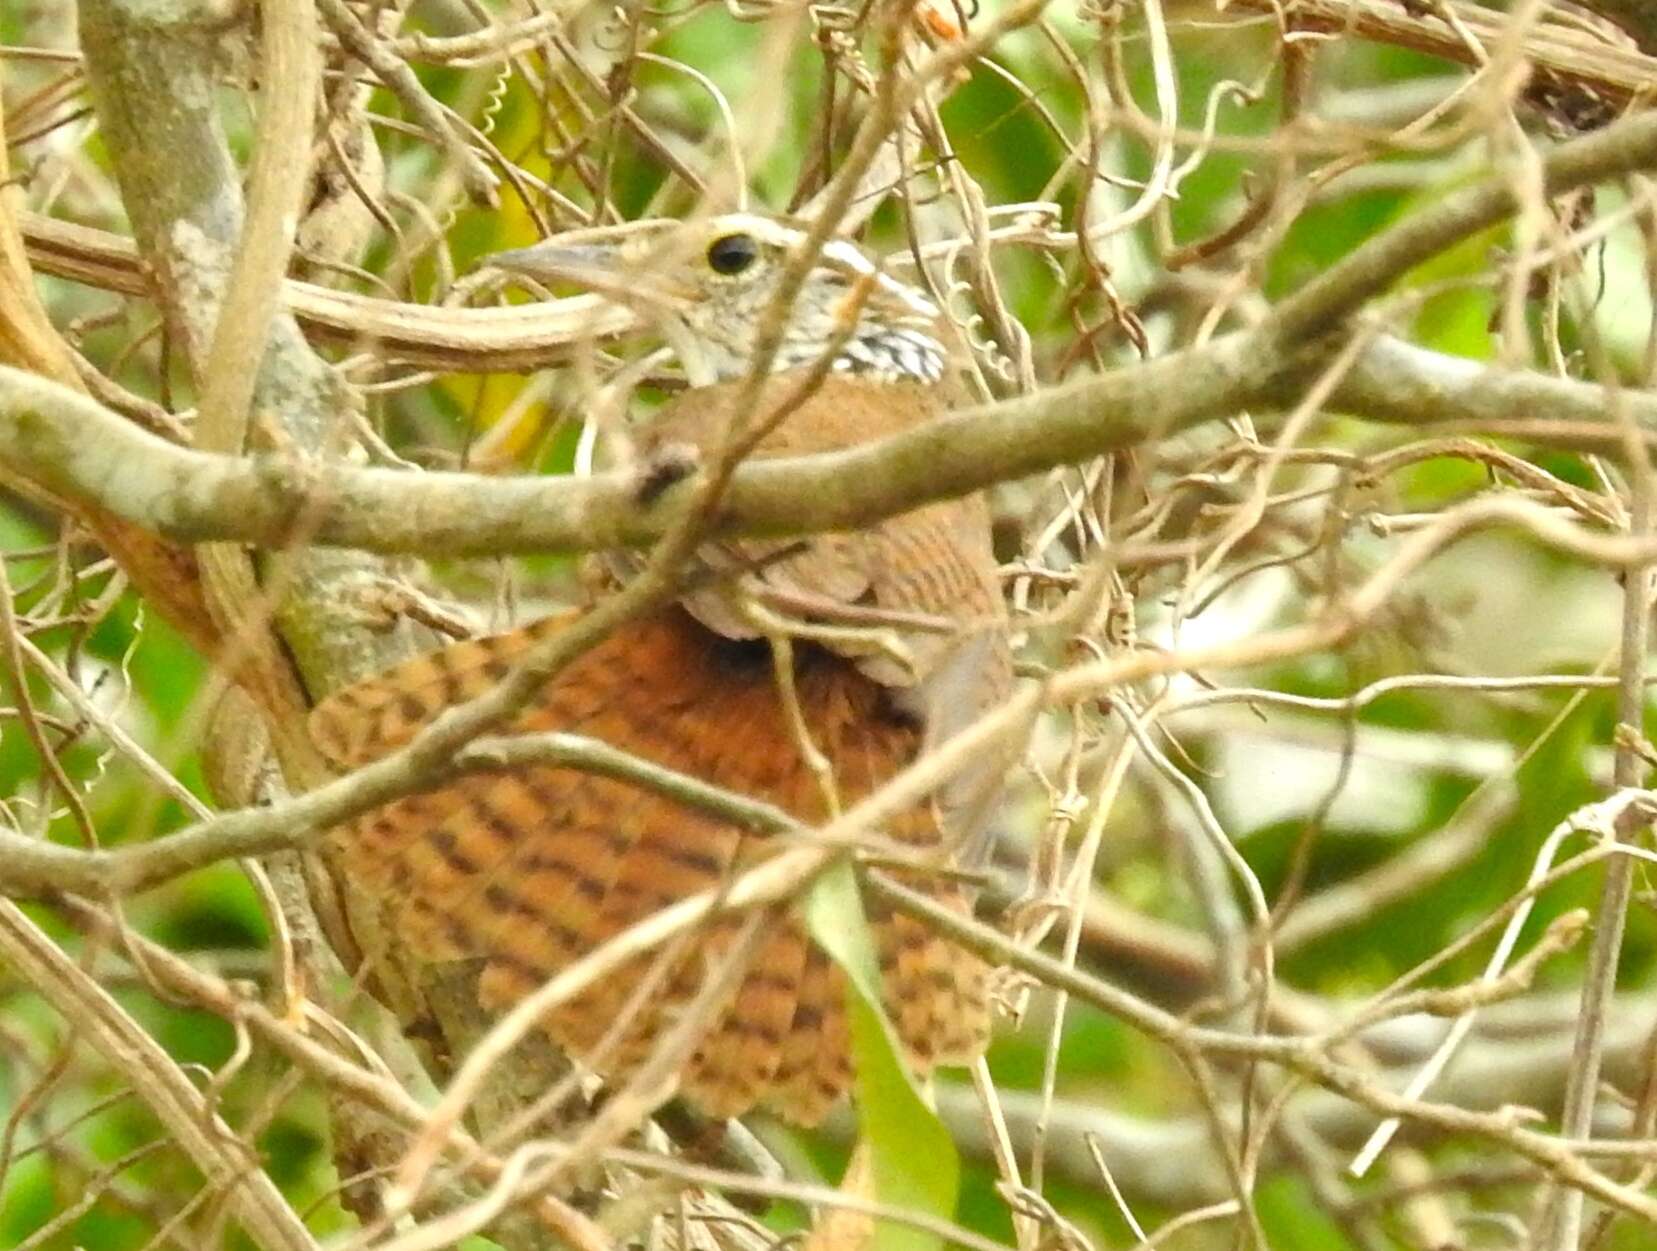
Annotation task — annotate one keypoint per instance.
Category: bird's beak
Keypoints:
(631, 264)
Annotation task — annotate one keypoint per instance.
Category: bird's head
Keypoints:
(707, 285)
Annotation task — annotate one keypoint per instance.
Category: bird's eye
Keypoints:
(731, 254)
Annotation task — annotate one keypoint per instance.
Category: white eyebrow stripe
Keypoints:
(847, 254)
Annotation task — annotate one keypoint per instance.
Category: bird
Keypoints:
(899, 641)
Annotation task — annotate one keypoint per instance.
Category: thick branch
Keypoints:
(81, 450)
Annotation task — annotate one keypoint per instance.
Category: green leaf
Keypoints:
(913, 1158)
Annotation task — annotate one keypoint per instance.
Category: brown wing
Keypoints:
(952, 539)
(936, 561)
(533, 869)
